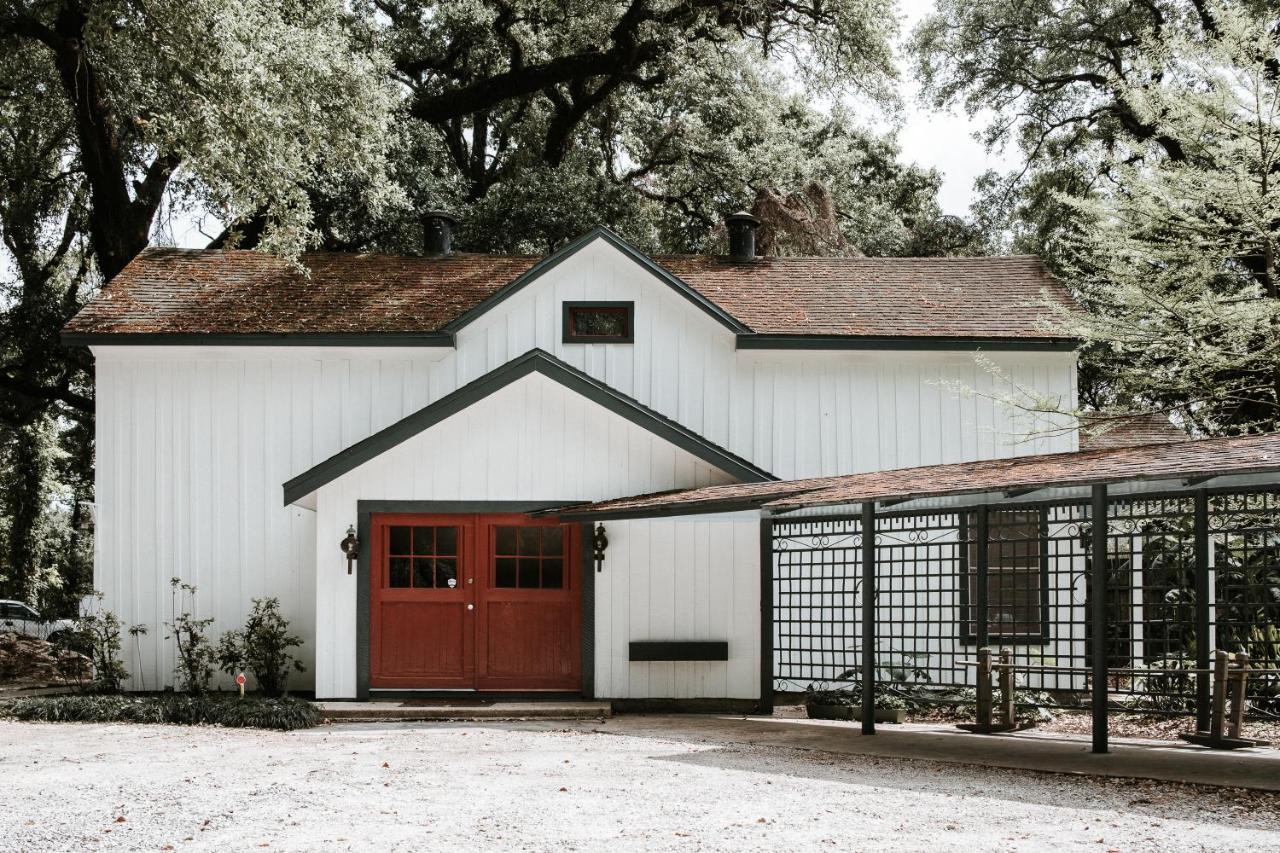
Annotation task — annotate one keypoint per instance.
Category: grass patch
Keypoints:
(253, 712)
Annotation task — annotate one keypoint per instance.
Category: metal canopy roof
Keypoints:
(1148, 469)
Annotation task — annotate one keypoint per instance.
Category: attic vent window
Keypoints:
(599, 322)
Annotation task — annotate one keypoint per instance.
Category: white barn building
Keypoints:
(250, 415)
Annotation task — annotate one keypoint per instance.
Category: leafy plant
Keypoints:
(97, 637)
(195, 652)
(262, 648)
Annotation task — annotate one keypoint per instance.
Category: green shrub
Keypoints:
(252, 712)
(97, 637)
(262, 648)
(195, 652)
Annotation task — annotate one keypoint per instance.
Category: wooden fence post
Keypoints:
(1219, 694)
(1006, 688)
(984, 689)
(1239, 679)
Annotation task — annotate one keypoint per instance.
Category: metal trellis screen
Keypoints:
(1036, 588)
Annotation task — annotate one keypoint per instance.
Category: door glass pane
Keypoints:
(505, 541)
(424, 540)
(447, 541)
(552, 574)
(552, 541)
(400, 541)
(529, 541)
(505, 572)
(424, 572)
(446, 570)
(398, 576)
(528, 572)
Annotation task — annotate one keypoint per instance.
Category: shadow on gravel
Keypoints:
(1157, 799)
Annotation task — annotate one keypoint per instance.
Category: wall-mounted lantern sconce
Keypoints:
(599, 543)
(350, 546)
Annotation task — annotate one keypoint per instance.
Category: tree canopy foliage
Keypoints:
(1149, 133)
(295, 123)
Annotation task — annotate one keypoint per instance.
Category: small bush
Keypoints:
(195, 652)
(262, 648)
(259, 713)
(97, 637)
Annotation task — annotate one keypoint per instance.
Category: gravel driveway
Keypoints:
(560, 786)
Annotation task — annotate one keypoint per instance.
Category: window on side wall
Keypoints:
(1017, 576)
(599, 322)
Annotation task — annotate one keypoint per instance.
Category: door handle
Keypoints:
(471, 607)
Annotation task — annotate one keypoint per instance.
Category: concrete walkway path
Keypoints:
(426, 709)
(1256, 768)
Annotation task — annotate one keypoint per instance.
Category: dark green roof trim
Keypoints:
(260, 339)
(903, 342)
(534, 361)
(555, 259)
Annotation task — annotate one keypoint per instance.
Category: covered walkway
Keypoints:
(1005, 553)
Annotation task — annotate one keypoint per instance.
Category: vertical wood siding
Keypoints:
(193, 443)
(533, 440)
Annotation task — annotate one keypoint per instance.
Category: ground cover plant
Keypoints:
(257, 712)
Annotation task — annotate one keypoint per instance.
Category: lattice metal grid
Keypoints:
(1037, 590)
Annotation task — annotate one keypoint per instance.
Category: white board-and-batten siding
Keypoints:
(194, 442)
(537, 441)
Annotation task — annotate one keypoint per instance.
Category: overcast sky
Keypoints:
(942, 140)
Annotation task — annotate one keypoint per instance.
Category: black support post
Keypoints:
(1098, 615)
(981, 613)
(869, 618)
(766, 616)
(1204, 653)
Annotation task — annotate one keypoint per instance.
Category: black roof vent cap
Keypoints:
(742, 235)
(437, 232)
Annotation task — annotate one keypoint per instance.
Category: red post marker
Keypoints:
(240, 681)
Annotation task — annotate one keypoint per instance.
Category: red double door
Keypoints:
(482, 602)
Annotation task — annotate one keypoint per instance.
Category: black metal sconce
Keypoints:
(599, 543)
(350, 546)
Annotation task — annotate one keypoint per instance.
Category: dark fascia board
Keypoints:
(555, 259)
(259, 339)
(902, 342)
(534, 361)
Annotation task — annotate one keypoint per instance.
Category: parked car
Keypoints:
(22, 619)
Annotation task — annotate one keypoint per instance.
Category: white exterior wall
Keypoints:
(194, 442)
(690, 578)
(531, 441)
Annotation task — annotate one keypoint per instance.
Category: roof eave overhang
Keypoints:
(798, 504)
(1165, 483)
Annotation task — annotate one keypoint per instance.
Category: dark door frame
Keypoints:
(366, 509)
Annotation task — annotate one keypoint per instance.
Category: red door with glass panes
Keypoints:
(485, 602)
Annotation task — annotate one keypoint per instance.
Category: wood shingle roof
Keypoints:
(236, 292)
(1202, 458)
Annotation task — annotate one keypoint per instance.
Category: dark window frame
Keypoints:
(967, 624)
(566, 324)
